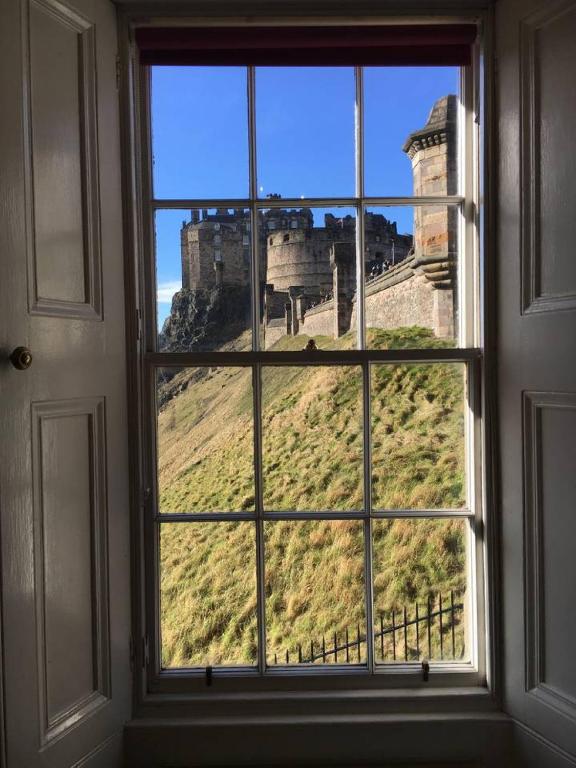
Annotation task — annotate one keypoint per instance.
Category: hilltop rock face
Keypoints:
(202, 320)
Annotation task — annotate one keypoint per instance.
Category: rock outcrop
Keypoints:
(203, 320)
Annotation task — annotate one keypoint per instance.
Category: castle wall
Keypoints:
(399, 298)
(319, 321)
(404, 296)
(274, 331)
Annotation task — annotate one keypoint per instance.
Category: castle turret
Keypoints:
(433, 153)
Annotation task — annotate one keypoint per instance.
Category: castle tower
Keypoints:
(433, 153)
(298, 254)
(215, 250)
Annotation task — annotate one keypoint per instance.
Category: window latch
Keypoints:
(425, 671)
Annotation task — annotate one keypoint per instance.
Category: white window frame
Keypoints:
(477, 675)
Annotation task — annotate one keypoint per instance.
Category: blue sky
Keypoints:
(305, 138)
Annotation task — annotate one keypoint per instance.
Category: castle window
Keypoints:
(315, 470)
(217, 239)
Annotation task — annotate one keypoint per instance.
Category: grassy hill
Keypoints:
(312, 446)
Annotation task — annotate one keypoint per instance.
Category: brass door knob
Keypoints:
(21, 358)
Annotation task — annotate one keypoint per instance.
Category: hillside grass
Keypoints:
(312, 447)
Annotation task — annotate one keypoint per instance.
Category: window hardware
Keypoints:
(425, 671)
(145, 651)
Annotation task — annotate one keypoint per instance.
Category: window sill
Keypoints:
(210, 705)
(345, 729)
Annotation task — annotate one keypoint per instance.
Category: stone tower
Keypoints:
(433, 153)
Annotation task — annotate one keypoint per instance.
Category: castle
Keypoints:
(308, 273)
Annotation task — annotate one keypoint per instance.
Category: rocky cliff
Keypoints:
(203, 320)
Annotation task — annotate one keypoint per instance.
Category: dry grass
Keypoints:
(312, 454)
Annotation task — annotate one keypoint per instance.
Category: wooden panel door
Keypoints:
(63, 452)
(536, 65)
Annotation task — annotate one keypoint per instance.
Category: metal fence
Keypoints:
(433, 630)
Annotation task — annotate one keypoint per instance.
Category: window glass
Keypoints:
(203, 280)
(312, 445)
(411, 266)
(205, 440)
(309, 274)
(199, 132)
(418, 455)
(420, 605)
(410, 131)
(208, 594)
(315, 592)
(305, 131)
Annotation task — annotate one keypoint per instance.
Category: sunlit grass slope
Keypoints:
(312, 460)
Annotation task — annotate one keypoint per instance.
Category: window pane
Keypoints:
(419, 570)
(418, 453)
(199, 132)
(315, 592)
(208, 594)
(410, 145)
(312, 438)
(305, 131)
(205, 440)
(203, 268)
(308, 260)
(411, 272)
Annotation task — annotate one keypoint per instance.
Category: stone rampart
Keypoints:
(274, 331)
(406, 296)
(319, 321)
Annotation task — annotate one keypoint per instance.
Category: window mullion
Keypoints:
(345, 357)
(259, 506)
(367, 434)
(359, 165)
(256, 375)
(303, 202)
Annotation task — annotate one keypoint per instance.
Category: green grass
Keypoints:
(312, 446)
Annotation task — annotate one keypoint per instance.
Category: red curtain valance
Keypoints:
(391, 45)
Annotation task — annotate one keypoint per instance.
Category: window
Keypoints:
(315, 427)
